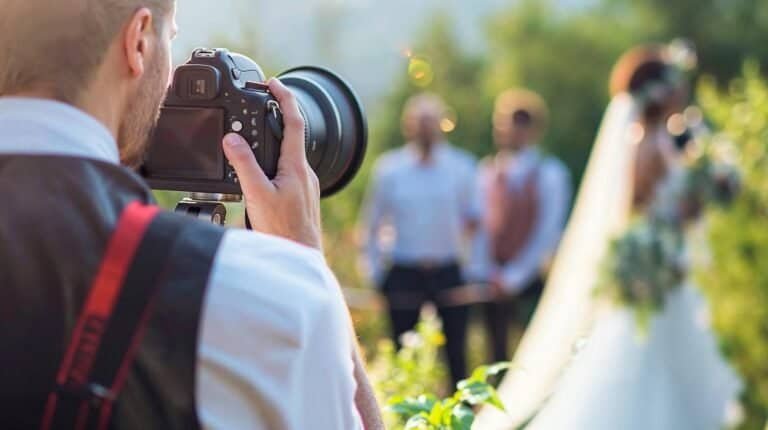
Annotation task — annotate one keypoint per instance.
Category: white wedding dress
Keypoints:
(584, 363)
(670, 378)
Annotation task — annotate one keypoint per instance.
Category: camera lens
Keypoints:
(336, 129)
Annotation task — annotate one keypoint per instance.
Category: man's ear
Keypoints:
(138, 41)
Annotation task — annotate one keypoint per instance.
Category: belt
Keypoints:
(427, 265)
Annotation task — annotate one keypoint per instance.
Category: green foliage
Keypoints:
(411, 380)
(565, 58)
(725, 32)
(736, 278)
(438, 64)
(426, 412)
(413, 370)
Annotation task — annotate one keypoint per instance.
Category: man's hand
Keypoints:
(498, 291)
(289, 205)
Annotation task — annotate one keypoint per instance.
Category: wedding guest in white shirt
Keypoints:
(419, 207)
(525, 196)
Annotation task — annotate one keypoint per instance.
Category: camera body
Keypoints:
(218, 92)
(215, 93)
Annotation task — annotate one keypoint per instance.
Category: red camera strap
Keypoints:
(95, 366)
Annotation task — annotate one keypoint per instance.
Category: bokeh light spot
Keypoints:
(420, 72)
(449, 121)
(447, 125)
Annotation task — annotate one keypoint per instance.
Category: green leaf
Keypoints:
(418, 422)
(462, 417)
(475, 392)
(479, 374)
(494, 400)
(497, 368)
(448, 406)
(407, 407)
(436, 414)
(478, 393)
(427, 401)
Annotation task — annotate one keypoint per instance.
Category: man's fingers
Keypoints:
(292, 152)
(253, 180)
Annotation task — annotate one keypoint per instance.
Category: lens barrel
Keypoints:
(336, 131)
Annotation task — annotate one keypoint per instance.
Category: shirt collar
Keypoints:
(524, 157)
(31, 126)
(527, 154)
(438, 152)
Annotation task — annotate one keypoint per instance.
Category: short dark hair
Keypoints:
(523, 105)
(58, 46)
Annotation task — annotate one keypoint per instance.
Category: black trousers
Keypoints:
(503, 313)
(408, 288)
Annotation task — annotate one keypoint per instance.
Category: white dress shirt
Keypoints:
(425, 204)
(554, 196)
(275, 348)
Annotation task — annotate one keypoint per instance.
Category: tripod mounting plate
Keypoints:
(211, 211)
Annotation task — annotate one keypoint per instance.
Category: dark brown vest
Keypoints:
(56, 217)
(511, 214)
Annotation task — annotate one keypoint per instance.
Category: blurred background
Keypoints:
(468, 51)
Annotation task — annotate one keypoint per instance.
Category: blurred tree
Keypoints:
(736, 278)
(567, 58)
(726, 33)
(438, 64)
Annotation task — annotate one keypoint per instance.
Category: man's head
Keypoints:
(519, 119)
(110, 58)
(421, 119)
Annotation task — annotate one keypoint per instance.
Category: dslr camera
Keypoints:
(217, 92)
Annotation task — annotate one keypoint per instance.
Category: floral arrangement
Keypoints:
(649, 259)
(643, 265)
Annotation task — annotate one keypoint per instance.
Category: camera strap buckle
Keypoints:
(274, 108)
(275, 121)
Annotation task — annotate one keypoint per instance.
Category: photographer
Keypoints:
(194, 326)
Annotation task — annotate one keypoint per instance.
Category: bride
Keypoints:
(584, 364)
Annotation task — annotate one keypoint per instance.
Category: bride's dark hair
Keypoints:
(636, 71)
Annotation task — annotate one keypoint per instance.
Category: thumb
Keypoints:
(253, 180)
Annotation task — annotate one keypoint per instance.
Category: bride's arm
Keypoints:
(649, 169)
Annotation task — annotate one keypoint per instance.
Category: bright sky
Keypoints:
(361, 39)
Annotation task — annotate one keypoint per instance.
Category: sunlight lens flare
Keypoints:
(420, 72)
